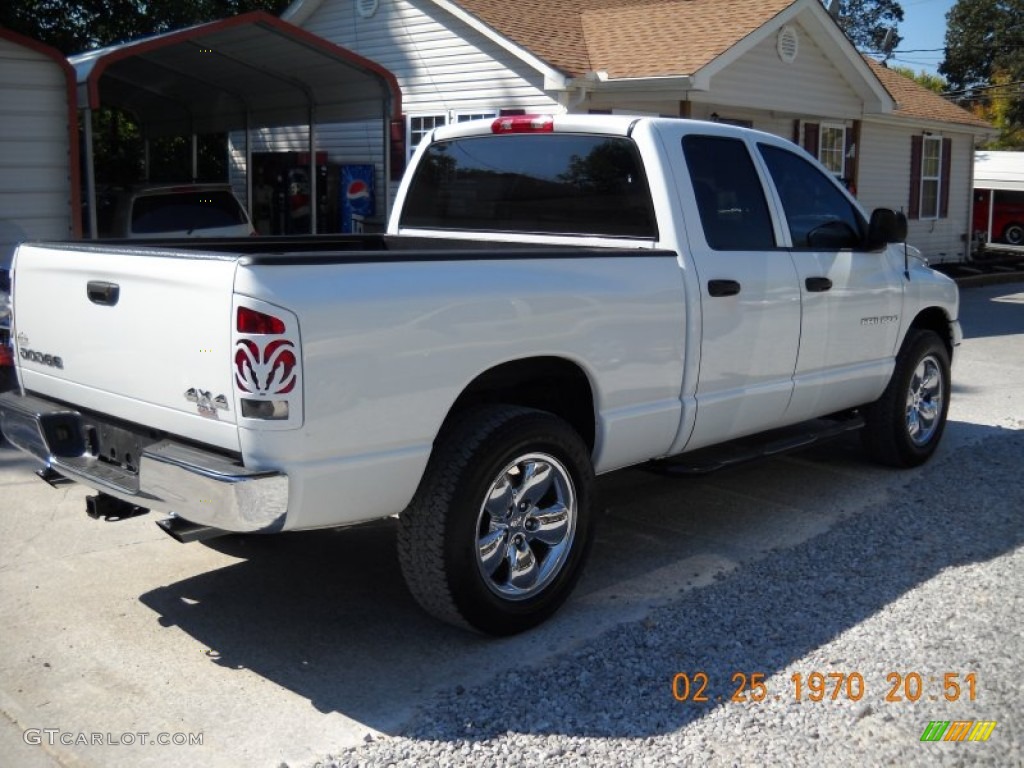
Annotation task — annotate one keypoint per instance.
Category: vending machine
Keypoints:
(282, 202)
(358, 201)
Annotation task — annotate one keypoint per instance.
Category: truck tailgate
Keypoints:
(136, 334)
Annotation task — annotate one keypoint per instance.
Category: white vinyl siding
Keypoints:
(884, 181)
(35, 173)
(810, 85)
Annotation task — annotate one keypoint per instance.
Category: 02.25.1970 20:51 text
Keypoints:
(833, 686)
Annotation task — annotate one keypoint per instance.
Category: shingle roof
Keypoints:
(626, 38)
(917, 102)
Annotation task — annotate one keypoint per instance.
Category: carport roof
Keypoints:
(211, 77)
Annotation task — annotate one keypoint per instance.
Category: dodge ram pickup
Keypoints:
(555, 297)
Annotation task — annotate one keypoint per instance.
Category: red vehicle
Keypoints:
(6, 353)
(1007, 215)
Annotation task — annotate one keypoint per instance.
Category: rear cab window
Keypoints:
(567, 184)
(189, 210)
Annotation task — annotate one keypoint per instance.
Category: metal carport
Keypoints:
(248, 71)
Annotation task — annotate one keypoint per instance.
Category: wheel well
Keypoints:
(550, 384)
(934, 319)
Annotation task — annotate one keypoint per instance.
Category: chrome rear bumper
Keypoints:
(198, 485)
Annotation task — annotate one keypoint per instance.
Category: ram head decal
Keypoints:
(266, 371)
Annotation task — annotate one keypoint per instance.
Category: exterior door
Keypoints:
(750, 300)
(851, 298)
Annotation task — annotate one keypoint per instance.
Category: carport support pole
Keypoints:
(312, 171)
(195, 157)
(248, 167)
(90, 174)
(386, 118)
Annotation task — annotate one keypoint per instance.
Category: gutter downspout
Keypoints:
(582, 94)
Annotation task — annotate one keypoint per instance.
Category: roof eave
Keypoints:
(932, 124)
(601, 82)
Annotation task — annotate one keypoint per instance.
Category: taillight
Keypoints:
(6, 356)
(251, 321)
(523, 124)
(267, 367)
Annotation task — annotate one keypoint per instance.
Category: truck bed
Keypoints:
(342, 248)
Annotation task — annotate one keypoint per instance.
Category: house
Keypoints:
(782, 66)
(39, 196)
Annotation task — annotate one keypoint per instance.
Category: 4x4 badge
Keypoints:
(206, 401)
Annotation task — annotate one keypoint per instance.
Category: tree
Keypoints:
(984, 62)
(927, 79)
(74, 27)
(866, 22)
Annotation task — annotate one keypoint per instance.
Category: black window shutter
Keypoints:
(811, 134)
(916, 146)
(947, 161)
(397, 148)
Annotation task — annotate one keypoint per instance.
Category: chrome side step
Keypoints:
(785, 440)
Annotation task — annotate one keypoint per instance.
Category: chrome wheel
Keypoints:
(924, 401)
(496, 536)
(526, 526)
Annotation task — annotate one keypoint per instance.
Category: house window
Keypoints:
(832, 148)
(931, 158)
(931, 176)
(420, 126)
(465, 117)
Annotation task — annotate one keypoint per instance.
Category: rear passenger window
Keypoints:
(547, 183)
(820, 217)
(730, 198)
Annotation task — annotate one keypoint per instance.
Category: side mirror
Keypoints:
(886, 226)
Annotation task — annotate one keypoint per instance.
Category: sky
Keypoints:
(923, 27)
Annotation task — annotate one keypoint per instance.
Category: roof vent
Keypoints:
(366, 8)
(788, 44)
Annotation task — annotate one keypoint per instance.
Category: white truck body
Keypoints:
(678, 341)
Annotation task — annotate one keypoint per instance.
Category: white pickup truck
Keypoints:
(555, 297)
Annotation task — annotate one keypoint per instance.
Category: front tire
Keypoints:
(904, 426)
(500, 526)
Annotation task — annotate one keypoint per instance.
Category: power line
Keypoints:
(977, 88)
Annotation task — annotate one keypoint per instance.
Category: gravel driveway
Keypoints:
(910, 599)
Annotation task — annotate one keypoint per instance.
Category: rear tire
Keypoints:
(904, 426)
(500, 526)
